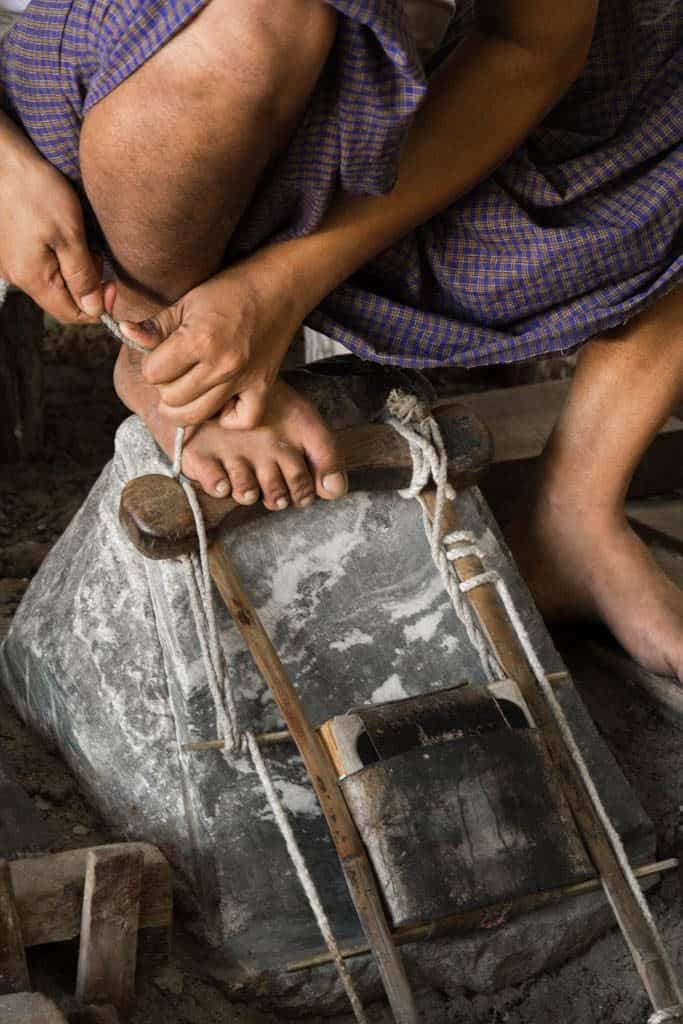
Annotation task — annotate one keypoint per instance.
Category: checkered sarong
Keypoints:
(579, 230)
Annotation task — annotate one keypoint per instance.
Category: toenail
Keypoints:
(335, 483)
(307, 502)
(250, 497)
(222, 488)
(281, 503)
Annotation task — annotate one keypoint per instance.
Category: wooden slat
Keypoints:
(14, 975)
(49, 893)
(109, 930)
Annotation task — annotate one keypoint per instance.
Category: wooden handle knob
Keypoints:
(155, 513)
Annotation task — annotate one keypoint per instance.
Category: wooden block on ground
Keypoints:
(29, 1008)
(22, 830)
(109, 930)
(13, 967)
(521, 419)
(49, 893)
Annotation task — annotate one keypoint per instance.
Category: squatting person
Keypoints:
(249, 165)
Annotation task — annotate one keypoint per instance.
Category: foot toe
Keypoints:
(273, 487)
(298, 479)
(245, 488)
(208, 473)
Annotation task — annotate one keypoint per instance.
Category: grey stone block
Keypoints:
(103, 658)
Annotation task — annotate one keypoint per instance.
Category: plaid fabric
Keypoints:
(577, 231)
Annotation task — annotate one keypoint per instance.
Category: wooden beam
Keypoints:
(521, 419)
(49, 893)
(109, 930)
(14, 975)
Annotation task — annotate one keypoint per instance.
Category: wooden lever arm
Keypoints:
(155, 513)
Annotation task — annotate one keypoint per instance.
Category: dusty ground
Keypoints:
(37, 501)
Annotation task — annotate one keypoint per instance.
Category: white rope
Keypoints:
(413, 421)
(4, 289)
(304, 876)
(460, 544)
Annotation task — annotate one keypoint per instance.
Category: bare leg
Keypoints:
(170, 160)
(571, 539)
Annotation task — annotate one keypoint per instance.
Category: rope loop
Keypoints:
(662, 1016)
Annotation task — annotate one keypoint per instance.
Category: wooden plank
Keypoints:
(49, 893)
(108, 948)
(29, 1008)
(521, 419)
(14, 975)
(22, 829)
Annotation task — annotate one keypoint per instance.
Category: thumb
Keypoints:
(246, 410)
(151, 332)
(81, 273)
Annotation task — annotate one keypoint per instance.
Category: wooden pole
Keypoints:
(638, 929)
(352, 854)
(14, 975)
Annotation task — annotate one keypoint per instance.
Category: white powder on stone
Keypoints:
(391, 689)
(353, 638)
(297, 799)
(424, 629)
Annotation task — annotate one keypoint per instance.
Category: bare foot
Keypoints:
(287, 460)
(589, 564)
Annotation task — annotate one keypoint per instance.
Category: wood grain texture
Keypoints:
(650, 959)
(14, 975)
(155, 513)
(49, 893)
(109, 928)
(466, 824)
(356, 866)
(521, 419)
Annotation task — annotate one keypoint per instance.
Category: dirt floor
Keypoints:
(37, 501)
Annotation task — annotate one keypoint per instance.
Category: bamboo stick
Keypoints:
(352, 854)
(638, 928)
(467, 921)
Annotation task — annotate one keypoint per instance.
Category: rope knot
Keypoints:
(406, 407)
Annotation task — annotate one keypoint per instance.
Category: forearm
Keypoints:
(481, 105)
(15, 146)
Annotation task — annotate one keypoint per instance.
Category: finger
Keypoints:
(198, 380)
(325, 460)
(209, 473)
(52, 294)
(247, 411)
(81, 273)
(245, 489)
(109, 296)
(273, 486)
(298, 478)
(151, 332)
(200, 410)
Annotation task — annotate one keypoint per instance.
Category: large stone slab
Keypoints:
(104, 659)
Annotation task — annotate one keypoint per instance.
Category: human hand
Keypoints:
(219, 348)
(43, 247)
